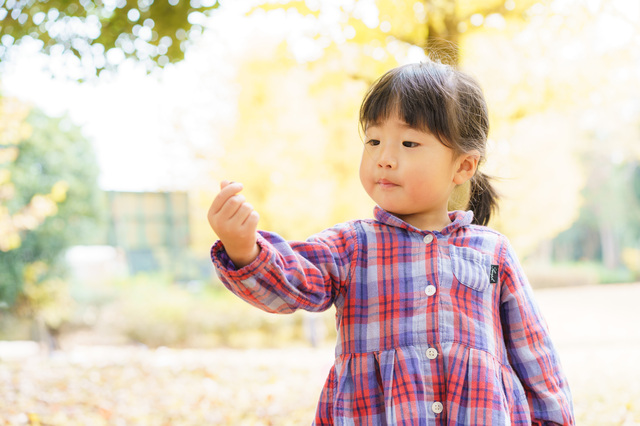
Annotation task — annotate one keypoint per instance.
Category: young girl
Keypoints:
(436, 320)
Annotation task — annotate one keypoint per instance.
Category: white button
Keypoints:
(430, 290)
(428, 238)
(437, 407)
(432, 353)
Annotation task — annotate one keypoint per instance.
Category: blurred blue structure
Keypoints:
(152, 228)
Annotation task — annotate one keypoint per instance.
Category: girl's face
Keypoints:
(411, 174)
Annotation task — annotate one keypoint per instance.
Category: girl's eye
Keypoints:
(409, 144)
(373, 142)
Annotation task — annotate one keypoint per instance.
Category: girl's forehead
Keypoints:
(395, 112)
(393, 120)
(392, 116)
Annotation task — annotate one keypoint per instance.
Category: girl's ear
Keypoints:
(466, 164)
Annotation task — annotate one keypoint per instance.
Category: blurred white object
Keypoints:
(19, 349)
(96, 263)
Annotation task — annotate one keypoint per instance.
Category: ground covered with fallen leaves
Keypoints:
(595, 329)
(138, 386)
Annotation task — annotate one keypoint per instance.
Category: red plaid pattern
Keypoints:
(424, 337)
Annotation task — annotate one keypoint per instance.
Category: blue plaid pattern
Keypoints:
(423, 336)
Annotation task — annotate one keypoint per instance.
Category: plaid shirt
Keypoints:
(433, 327)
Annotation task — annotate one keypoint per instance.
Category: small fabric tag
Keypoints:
(493, 278)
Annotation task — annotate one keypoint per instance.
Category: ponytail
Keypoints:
(483, 198)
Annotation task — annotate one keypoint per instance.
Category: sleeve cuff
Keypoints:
(225, 265)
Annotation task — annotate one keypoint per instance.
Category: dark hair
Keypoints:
(444, 101)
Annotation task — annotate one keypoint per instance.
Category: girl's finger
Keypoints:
(228, 191)
(243, 213)
(230, 208)
(225, 183)
(252, 220)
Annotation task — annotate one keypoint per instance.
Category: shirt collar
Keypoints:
(458, 218)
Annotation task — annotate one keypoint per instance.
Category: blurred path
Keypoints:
(596, 330)
(602, 315)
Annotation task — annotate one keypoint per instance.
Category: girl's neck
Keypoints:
(428, 222)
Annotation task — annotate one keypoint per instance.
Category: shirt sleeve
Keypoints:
(291, 275)
(529, 347)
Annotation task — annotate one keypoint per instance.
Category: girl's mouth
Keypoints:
(383, 183)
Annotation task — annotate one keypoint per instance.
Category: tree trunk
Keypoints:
(443, 38)
(610, 251)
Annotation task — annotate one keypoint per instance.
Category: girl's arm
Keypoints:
(531, 352)
(267, 271)
(287, 276)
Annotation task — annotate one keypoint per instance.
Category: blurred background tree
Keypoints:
(51, 200)
(377, 27)
(49, 194)
(565, 131)
(101, 34)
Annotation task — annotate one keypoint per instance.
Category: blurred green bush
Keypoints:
(577, 274)
(150, 310)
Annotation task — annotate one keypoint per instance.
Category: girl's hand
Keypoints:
(235, 222)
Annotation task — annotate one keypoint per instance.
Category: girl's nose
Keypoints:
(387, 160)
